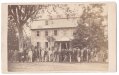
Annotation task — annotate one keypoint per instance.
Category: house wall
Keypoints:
(61, 32)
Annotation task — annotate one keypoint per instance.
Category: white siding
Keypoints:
(42, 38)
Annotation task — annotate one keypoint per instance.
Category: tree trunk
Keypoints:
(21, 38)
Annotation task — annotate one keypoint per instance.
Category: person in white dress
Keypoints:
(30, 54)
(79, 55)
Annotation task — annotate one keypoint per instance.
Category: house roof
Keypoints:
(55, 23)
(65, 39)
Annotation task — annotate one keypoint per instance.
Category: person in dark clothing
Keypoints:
(85, 55)
(65, 55)
(33, 57)
(79, 55)
(35, 54)
(73, 55)
(70, 55)
(57, 58)
(89, 55)
(39, 54)
(11, 55)
(22, 56)
(19, 56)
(46, 54)
(60, 56)
(55, 55)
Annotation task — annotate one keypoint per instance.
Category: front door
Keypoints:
(63, 46)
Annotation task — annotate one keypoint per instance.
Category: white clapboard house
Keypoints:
(60, 29)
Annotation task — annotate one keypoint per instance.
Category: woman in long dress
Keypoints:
(30, 55)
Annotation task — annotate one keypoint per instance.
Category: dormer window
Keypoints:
(46, 22)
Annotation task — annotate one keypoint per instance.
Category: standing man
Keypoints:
(89, 55)
(92, 55)
(27, 58)
(75, 54)
(46, 54)
(11, 55)
(65, 55)
(70, 55)
(15, 55)
(82, 54)
(85, 55)
(37, 52)
(54, 55)
(49, 54)
(42, 55)
(60, 55)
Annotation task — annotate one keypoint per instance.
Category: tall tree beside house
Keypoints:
(22, 14)
(90, 31)
(12, 41)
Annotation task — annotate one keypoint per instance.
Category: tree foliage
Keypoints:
(12, 40)
(90, 31)
(20, 15)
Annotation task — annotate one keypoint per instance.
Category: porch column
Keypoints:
(66, 46)
(60, 46)
(69, 45)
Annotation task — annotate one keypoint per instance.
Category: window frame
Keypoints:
(38, 33)
(45, 32)
(46, 22)
(55, 31)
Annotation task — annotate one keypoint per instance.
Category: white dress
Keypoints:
(30, 54)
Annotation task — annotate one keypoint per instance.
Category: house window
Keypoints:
(55, 32)
(46, 33)
(38, 44)
(37, 33)
(46, 44)
(46, 22)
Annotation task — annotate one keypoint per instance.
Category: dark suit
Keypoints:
(85, 55)
(75, 55)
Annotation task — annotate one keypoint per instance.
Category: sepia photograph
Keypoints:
(57, 37)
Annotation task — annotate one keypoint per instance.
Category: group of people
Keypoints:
(56, 55)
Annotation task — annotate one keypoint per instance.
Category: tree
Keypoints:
(50, 40)
(90, 31)
(12, 39)
(21, 14)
